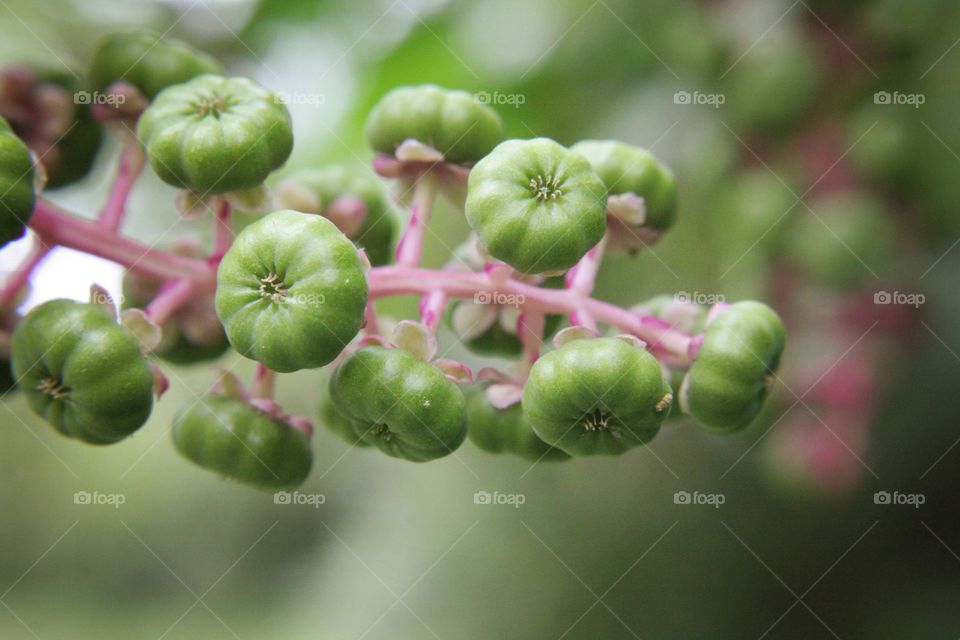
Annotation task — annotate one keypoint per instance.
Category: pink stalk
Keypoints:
(172, 296)
(222, 231)
(397, 280)
(582, 279)
(530, 332)
(129, 169)
(263, 382)
(431, 309)
(371, 325)
(56, 227)
(410, 247)
(20, 277)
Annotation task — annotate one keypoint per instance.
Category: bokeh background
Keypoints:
(767, 110)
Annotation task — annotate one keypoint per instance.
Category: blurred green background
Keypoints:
(599, 548)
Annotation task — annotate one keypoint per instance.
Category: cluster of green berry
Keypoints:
(294, 289)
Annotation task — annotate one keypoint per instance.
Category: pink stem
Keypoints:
(397, 280)
(57, 227)
(263, 382)
(20, 277)
(172, 296)
(431, 309)
(530, 331)
(371, 325)
(582, 279)
(410, 247)
(222, 231)
(129, 169)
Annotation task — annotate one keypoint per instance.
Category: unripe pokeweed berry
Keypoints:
(375, 235)
(234, 439)
(291, 291)
(451, 121)
(339, 424)
(82, 372)
(506, 431)
(16, 185)
(847, 237)
(626, 168)
(146, 62)
(729, 379)
(404, 406)
(535, 205)
(599, 396)
(214, 134)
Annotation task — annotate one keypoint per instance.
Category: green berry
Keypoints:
(450, 121)
(535, 205)
(146, 62)
(230, 437)
(731, 375)
(291, 291)
(625, 168)
(506, 431)
(339, 424)
(214, 134)
(596, 397)
(82, 372)
(324, 186)
(16, 185)
(845, 241)
(405, 407)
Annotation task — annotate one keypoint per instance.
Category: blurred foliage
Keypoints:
(599, 549)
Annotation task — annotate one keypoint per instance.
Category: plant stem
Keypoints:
(530, 331)
(398, 280)
(410, 247)
(19, 278)
(431, 309)
(582, 279)
(129, 169)
(222, 231)
(172, 296)
(56, 227)
(263, 382)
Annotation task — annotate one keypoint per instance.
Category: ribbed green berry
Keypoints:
(214, 134)
(229, 437)
(599, 396)
(291, 291)
(82, 372)
(731, 375)
(339, 424)
(626, 168)
(327, 184)
(405, 407)
(450, 121)
(16, 185)
(535, 205)
(506, 431)
(147, 62)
